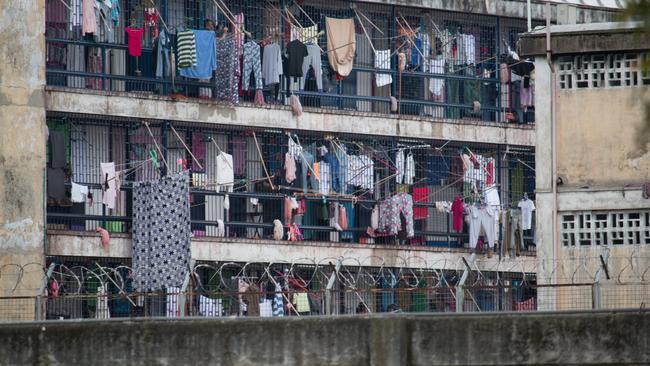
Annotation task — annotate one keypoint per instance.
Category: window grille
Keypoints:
(602, 71)
(605, 228)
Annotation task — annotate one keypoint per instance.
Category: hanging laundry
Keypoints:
(89, 25)
(325, 181)
(312, 59)
(527, 207)
(272, 64)
(105, 237)
(289, 168)
(186, 48)
(225, 175)
(227, 77)
(481, 218)
(78, 193)
(382, 61)
(252, 64)
(57, 149)
(420, 195)
(409, 169)
(109, 184)
(115, 12)
(390, 211)
(492, 196)
(206, 56)
(296, 52)
(341, 44)
(278, 302)
(361, 171)
(457, 209)
(56, 183)
(135, 40)
(161, 232)
(163, 63)
(437, 85)
(309, 34)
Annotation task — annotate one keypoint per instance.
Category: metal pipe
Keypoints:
(549, 60)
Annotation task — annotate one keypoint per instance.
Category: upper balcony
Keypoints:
(454, 66)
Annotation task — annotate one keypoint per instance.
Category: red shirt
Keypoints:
(457, 209)
(135, 40)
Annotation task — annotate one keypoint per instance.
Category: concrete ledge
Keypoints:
(614, 338)
(145, 106)
(310, 253)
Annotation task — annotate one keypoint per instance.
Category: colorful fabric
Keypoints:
(390, 210)
(206, 57)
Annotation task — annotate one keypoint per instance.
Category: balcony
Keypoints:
(447, 77)
(253, 203)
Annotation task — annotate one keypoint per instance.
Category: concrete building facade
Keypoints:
(110, 106)
(593, 164)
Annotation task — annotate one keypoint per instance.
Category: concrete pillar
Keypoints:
(543, 182)
(22, 153)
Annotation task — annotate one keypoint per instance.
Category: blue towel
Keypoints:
(206, 56)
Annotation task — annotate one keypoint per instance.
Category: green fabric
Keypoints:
(517, 182)
(91, 284)
(419, 298)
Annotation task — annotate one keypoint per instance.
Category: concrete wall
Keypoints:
(620, 338)
(310, 253)
(155, 107)
(561, 13)
(597, 137)
(22, 145)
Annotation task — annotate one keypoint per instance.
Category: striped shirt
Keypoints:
(186, 49)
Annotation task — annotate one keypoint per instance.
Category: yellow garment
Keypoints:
(301, 301)
(309, 34)
(341, 44)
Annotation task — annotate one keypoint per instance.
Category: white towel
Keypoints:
(382, 61)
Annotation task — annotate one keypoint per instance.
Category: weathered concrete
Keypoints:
(132, 105)
(239, 250)
(597, 137)
(512, 8)
(620, 338)
(22, 145)
(585, 38)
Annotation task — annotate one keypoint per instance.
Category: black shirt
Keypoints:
(296, 53)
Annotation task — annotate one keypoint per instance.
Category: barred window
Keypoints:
(602, 71)
(605, 228)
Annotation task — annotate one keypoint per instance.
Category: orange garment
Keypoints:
(317, 171)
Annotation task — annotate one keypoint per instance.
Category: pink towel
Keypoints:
(105, 237)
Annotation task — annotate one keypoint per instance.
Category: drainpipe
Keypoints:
(529, 16)
(553, 130)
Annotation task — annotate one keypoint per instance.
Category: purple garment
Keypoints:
(239, 155)
(198, 149)
(527, 95)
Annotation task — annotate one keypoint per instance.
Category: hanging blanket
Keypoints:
(161, 232)
(341, 44)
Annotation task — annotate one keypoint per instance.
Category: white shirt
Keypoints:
(361, 171)
(409, 171)
(79, 193)
(527, 207)
(225, 173)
